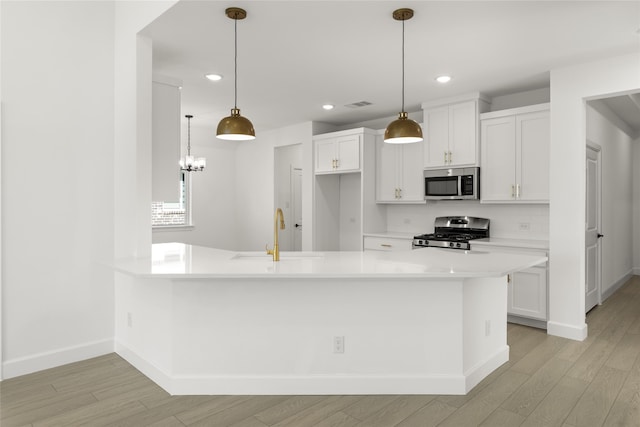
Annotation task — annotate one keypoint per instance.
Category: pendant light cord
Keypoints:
(403, 65)
(188, 136)
(235, 58)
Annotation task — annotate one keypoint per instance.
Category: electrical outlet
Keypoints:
(130, 319)
(487, 328)
(338, 344)
(524, 226)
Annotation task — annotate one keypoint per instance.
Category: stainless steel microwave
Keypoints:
(452, 184)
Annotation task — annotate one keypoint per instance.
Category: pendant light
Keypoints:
(235, 127)
(403, 130)
(190, 163)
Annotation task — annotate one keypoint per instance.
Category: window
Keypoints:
(173, 213)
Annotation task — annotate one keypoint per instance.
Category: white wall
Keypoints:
(617, 195)
(58, 212)
(636, 206)
(506, 220)
(570, 86)
(212, 192)
(84, 103)
(254, 180)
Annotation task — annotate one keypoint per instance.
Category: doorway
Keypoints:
(593, 226)
(288, 194)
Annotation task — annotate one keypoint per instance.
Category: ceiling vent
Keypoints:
(358, 104)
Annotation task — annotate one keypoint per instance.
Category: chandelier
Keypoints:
(191, 163)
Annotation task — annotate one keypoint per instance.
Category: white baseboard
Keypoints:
(478, 373)
(313, 384)
(572, 332)
(154, 373)
(51, 359)
(616, 285)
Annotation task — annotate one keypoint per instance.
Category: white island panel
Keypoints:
(409, 326)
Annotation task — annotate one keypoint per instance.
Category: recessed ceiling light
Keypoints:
(214, 77)
(328, 106)
(443, 79)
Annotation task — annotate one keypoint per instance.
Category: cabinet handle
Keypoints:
(518, 191)
(449, 157)
(384, 245)
(445, 157)
(399, 193)
(395, 193)
(513, 191)
(337, 163)
(508, 278)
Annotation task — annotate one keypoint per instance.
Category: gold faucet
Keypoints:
(276, 247)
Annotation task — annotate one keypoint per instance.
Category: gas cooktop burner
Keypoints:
(454, 232)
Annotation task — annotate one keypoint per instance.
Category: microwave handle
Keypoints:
(459, 185)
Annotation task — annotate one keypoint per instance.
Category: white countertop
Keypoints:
(512, 243)
(178, 260)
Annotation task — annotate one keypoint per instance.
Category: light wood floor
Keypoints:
(549, 381)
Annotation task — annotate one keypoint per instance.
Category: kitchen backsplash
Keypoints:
(508, 221)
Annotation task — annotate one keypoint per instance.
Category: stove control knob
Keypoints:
(458, 245)
(451, 244)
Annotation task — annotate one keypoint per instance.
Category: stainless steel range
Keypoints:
(454, 232)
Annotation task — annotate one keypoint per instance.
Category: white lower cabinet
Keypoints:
(387, 244)
(527, 294)
(527, 291)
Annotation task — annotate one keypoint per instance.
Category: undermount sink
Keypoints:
(283, 256)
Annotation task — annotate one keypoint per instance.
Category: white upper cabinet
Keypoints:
(338, 153)
(515, 155)
(451, 132)
(399, 177)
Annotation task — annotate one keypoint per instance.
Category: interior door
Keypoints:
(592, 230)
(296, 202)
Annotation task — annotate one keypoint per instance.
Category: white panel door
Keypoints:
(527, 294)
(348, 153)
(387, 171)
(325, 155)
(592, 233)
(462, 134)
(436, 141)
(411, 173)
(498, 153)
(532, 156)
(296, 203)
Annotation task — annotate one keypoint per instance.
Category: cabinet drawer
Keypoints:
(372, 243)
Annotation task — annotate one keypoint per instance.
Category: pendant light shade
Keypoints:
(403, 130)
(235, 127)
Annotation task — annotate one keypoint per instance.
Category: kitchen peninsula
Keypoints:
(199, 320)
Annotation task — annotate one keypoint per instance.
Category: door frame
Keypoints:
(598, 150)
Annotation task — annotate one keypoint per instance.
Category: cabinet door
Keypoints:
(348, 152)
(436, 137)
(532, 156)
(527, 294)
(325, 155)
(411, 175)
(463, 134)
(386, 170)
(497, 159)
(387, 244)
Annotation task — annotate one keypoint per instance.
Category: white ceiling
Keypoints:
(294, 56)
